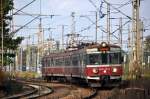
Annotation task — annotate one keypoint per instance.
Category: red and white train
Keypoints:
(95, 64)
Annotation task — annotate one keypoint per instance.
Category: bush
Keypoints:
(8, 86)
(12, 87)
(26, 75)
(2, 78)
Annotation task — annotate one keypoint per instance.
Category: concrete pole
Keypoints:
(120, 31)
(130, 48)
(96, 20)
(62, 36)
(73, 34)
(108, 23)
(142, 49)
(27, 60)
(138, 37)
(63, 29)
(136, 33)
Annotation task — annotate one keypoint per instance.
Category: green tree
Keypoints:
(10, 43)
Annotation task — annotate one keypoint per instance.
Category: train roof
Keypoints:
(78, 49)
(98, 45)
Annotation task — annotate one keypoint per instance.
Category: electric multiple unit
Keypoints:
(95, 64)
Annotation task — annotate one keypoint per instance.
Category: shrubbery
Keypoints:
(12, 87)
(7, 85)
(2, 78)
(26, 75)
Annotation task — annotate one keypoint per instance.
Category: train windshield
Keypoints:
(94, 59)
(115, 58)
(104, 58)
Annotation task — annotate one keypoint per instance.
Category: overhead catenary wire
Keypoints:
(117, 9)
(122, 5)
(24, 13)
(13, 32)
(93, 4)
(86, 28)
(112, 7)
(112, 33)
(24, 7)
(122, 25)
(33, 15)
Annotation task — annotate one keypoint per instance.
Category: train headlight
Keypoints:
(95, 70)
(104, 71)
(104, 44)
(114, 70)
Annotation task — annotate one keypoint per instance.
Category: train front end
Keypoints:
(104, 65)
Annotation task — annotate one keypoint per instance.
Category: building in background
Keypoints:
(27, 58)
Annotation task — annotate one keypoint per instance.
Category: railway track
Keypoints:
(54, 90)
(65, 91)
(35, 91)
(41, 91)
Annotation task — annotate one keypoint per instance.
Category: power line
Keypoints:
(24, 13)
(122, 26)
(93, 4)
(122, 5)
(12, 33)
(117, 10)
(24, 7)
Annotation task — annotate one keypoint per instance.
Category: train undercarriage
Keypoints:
(103, 81)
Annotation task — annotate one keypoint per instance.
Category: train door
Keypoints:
(81, 64)
(63, 65)
(84, 62)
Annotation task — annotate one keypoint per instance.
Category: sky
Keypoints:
(84, 10)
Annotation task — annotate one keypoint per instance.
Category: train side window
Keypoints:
(44, 62)
(80, 59)
(54, 61)
(63, 61)
(47, 62)
(75, 60)
(51, 61)
(94, 59)
(85, 59)
(57, 62)
(67, 61)
(114, 58)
